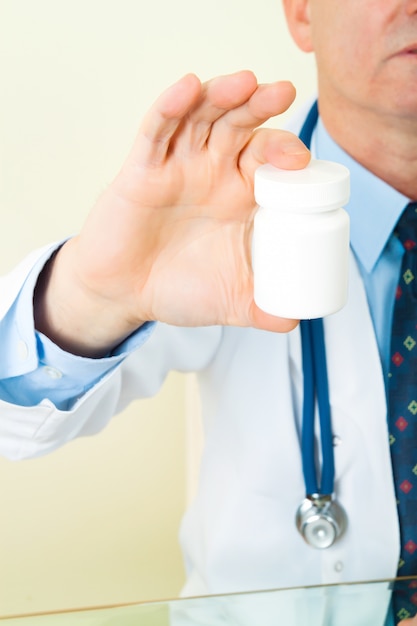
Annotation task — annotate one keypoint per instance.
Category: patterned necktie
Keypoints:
(403, 409)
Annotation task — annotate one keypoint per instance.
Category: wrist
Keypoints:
(78, 319)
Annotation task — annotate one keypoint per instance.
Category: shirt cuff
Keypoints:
(33, 368)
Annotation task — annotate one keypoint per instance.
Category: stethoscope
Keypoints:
(319, 519)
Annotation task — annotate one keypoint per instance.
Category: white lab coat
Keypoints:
(239, 533)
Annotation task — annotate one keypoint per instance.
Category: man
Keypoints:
(170, 241)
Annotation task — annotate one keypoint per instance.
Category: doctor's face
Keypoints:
(366, 51)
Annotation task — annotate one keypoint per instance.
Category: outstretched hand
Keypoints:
(170, 239)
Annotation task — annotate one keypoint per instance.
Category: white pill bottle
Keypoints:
(300, 248)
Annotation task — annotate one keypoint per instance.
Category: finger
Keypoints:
(278, 147)
(233, 129)
(264, 321)
(219, 96)
(163, 119)
(224, 93)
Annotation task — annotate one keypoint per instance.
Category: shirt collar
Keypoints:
(374, 207)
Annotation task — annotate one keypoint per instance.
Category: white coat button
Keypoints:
(52, 372)
(22, 350)
(338, 566)
(336, 440)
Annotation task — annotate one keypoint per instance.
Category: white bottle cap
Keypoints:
(322, 185)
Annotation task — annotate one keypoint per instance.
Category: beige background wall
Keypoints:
(97, 522)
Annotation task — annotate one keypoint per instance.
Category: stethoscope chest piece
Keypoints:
(320, 520)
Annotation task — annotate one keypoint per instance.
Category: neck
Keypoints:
(383, 143)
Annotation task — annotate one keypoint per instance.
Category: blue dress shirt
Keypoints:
(374, 209)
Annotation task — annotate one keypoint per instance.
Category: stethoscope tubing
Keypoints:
(316, 386)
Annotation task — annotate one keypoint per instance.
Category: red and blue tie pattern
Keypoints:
(403, 409)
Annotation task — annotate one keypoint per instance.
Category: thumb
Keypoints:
(277, 147)
(266, 321)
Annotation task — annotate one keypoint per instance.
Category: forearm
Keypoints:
(32, 368)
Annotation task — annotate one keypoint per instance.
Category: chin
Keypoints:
(400, 103)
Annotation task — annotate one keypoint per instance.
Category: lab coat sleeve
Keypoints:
(49, 397)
